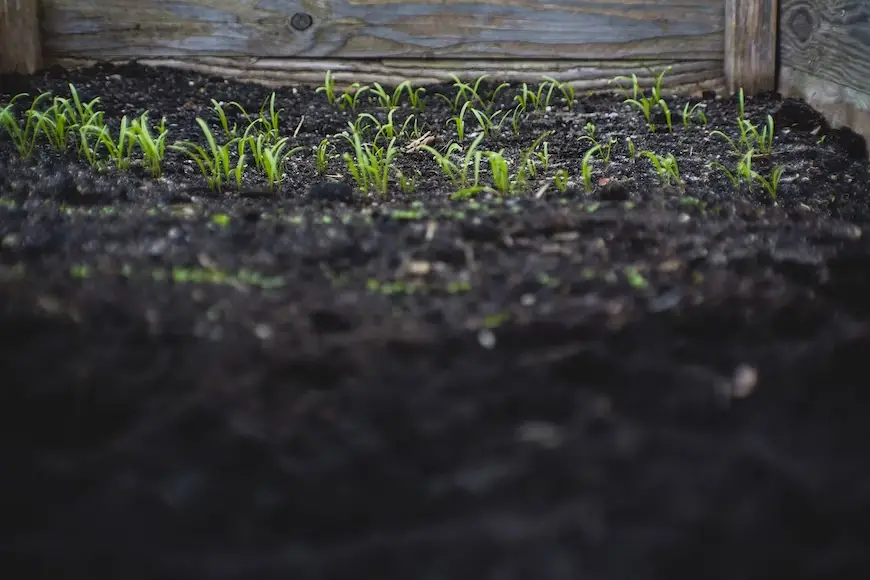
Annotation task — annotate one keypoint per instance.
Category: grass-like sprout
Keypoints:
(24, 134)
(459, 173)
(503, 182)
(120, 150)
(750, 137)
(665, 166)
(499, 172)
(322, 157)
(328, 88)
(369, 164)
(406, 185)
(566, 89)
(467, 93)
(537, 100)
(61, 122)
(667, 112)
(489, 123)
(604, 149)
(632, 148)
(586, 167)
(640, 101)
(153, 147)
(386, 129)
(230, 132)
(459, 121)
(544, 155)
(746, 174)
(393, 101)
(763, 140)
(695, 111)
(560, 180)
(351, 97)
(269, 117)
(214, 162)
(272, 159)
(56, 124)
(771, 183)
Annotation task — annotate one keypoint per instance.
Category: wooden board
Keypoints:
(686, 77)
(750, 45)
(840, 105)
(491, 29)
(20, 46)
(829, 39)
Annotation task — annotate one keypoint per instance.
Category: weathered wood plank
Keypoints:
(585, 75)
(20, 45)
(828, 39)
(840, 105)
(750, 45)
(594, 29)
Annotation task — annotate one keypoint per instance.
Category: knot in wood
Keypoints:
(301, 21)
(802, 24)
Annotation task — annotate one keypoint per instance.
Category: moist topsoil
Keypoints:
(635, 382)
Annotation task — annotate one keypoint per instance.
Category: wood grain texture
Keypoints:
(492, 29)
(840, 105)
(829, 39)
(20, 44)
(750, 45)
(586, 75)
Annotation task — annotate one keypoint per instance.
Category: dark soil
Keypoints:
(635, 383)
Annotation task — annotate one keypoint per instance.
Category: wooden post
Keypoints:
(750, 45)
(20, 42)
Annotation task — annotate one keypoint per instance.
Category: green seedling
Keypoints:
(742, 173)
(153, 147)
(665, 166)
(560, 180)
(369, 165)
(526, 165)
(466, 93)
(387, 130)
(632, 149)
(350, 99)
(272, 159)
(459, 121)
(544, 155)
(489, 123)
(566, 89)
(517, 118)
(499, 172)
(406, 185)
(696, 111)
(639, 100)
(55, 124)
(213, 162)
(503, 182)
(763, 140)
(269, 117)
(604, 149)
(322, 157)
(229, 132)
(771, 183)
(459, 173)
(120, 150)
(328, 88)
(393, 101)
(750, 137)
(667, 112)
(586, 167)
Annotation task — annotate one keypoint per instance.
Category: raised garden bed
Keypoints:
(639, 375)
